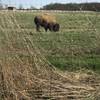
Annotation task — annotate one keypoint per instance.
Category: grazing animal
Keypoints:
(47, 22)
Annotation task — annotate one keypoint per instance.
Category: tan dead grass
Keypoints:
(25, 74)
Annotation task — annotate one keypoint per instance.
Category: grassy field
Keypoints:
(75, 46)
(27, 56)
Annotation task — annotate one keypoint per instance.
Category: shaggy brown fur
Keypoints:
(47, 21)
(49, 18)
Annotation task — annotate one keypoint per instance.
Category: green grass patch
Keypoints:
(75, 46)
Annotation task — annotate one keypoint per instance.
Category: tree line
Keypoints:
(73, 7)
(59, 6)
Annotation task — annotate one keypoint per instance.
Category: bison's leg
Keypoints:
(38, 27)
(45, 25)
(50, 26)
(46, 29)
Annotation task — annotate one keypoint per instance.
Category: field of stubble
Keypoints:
(30, 61)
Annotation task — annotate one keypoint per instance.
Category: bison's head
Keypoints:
(56, 27)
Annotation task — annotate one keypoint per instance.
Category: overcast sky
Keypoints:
(40, 3)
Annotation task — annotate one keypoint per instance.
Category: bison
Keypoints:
(48, 22)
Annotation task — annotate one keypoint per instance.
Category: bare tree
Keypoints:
(32, 8)
(1, 5)
(21, 7)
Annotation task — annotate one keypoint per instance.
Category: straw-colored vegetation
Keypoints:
(27, 58)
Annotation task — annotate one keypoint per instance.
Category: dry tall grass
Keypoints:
(25, 74)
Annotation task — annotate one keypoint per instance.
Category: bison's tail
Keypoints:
(35, 20)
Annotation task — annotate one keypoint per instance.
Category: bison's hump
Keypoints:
(47, 18)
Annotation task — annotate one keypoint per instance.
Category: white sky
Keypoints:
(40, 3)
